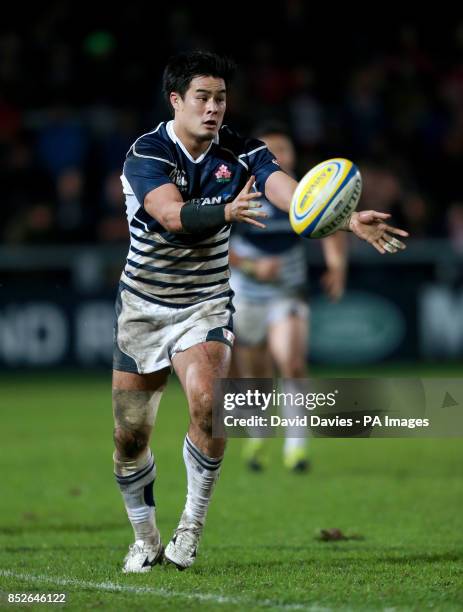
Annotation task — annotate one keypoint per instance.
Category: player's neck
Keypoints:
(194, 146)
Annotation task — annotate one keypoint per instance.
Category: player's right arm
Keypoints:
(265, 269)
(148, 170)
(166, 205)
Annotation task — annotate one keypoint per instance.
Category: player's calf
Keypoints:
(200, 431)
(198, 367)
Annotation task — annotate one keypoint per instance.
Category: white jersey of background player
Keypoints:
(272, 316)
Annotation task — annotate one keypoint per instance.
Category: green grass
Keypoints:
(63, 527)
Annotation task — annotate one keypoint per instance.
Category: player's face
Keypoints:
(201, 111)
(282, 147)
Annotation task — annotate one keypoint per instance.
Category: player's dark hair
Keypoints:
(184, 67)
(271, 127)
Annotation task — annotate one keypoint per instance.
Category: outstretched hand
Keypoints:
(369, 225)
(244, 208)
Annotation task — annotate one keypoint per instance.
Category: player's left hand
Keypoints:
(369, 225)
(334, 282)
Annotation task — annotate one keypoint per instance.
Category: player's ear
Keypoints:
(175, 100)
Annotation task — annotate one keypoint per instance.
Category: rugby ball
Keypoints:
(325, 198)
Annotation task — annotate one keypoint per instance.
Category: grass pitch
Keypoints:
(63, 527)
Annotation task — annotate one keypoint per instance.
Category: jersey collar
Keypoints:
(175, 139)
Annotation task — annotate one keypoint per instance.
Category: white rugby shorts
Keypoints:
(253, 318)
(148, 335)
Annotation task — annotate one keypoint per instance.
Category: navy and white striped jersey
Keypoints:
(276, 240)
(183, 269)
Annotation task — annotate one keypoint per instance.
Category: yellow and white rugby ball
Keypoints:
(325, 198)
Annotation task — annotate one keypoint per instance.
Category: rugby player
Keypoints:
(185, 182)
(271, 319)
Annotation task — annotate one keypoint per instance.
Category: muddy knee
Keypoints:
(134, 415)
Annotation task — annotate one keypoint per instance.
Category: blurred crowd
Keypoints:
(77, 87)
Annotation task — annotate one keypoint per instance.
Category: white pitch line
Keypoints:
(124, 588)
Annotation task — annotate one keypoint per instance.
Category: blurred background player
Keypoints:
(271, 323)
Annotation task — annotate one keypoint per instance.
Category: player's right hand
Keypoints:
(267, 269)
(243, 209)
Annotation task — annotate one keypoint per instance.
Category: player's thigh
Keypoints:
(288, 342)
(250, 321)
(250, 355)
(197, 368)
(252, 361)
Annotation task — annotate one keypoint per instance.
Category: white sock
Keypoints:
(136, 480)
(293, 443)
(295, 437)
(202, 474)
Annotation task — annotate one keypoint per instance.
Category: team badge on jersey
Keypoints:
(223, 174)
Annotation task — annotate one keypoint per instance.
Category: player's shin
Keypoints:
(202, 474)
(134, 465)
(295, 445)
(136, 487)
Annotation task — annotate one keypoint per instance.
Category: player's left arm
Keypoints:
(279, 189)
(277, 186)
(335, 254)
(368, 225)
